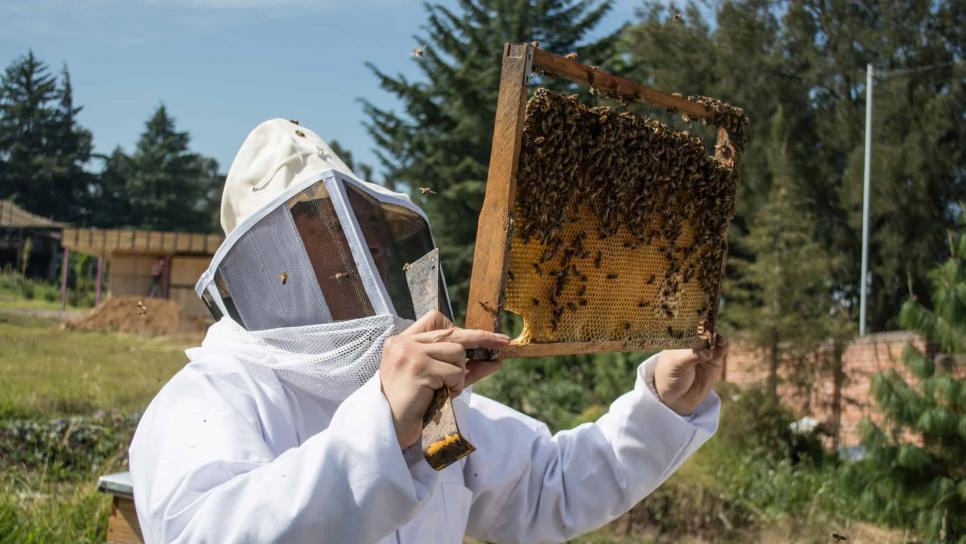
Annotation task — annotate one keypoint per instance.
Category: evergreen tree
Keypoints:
(361, 169)
(442, 138)
(42, 147)
(914, 472)
(780, 300)
(162, 185)
(809, 59)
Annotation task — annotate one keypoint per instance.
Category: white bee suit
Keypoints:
(228, 453)
(278, 430)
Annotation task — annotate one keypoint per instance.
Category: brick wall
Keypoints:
(814, 392)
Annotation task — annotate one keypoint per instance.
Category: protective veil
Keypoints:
(312, 266)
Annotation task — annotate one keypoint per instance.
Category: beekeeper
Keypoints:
(299, 417)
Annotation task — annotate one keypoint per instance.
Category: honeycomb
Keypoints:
(619, 226)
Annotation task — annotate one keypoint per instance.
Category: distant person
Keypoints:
(157, 272)
(299, 417)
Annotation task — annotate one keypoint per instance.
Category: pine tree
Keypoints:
(162, 185)
(442, 138)
(914, 473)
(42, 147)
(780, 299)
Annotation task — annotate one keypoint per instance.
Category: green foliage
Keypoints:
(805, 62)
(66, 449)
(442, 137)
(915, 470)
(162, 185)
(781, 299)
(42, 148)
(754, 421)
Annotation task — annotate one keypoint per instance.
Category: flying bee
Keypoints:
(142, 309)
(427, 191)
(284, 277)
(417, 52)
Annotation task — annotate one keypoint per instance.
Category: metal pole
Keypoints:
(863, 283)
(100, 280)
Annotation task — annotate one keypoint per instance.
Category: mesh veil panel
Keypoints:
(270, 279)
(395, 236)
(330, 254)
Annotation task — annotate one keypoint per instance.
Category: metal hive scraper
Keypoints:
(442, 442)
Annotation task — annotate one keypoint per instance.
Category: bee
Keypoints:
(293, 121)
(581, 290)
(670, 332)
(572, 56)
(627, 326)
(643, 303)
(667, 310)
(418, 52)
(536, 268)
(650, 280)
(572, 306)
(510, 275)
(611, 276)
(427, 191)
(582, 302)
(142, 309)
(407, 266)
(284, 277)
(598, 258)
(341, 275)
(535, 301)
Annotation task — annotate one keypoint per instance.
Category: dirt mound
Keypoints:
(134, 315)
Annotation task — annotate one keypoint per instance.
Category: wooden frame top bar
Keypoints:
(613, 85)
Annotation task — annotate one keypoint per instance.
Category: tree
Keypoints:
(781, 299)
(809, 59)
(361, 169)
(442, 138)
(42, 147)
(914, 472)
(162, 185)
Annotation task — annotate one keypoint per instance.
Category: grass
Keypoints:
(47, 372)
(48, 494)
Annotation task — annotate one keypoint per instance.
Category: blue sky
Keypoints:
(222, 66)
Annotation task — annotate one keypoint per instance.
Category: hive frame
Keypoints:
(495, 227)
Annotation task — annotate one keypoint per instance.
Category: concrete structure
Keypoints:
(132, 257)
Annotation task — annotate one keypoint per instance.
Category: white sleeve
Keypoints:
(205, 470)
(529, 486)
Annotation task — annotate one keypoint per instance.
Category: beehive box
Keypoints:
(604, 230)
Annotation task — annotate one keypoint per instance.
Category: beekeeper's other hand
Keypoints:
(684, 377)
(430, 354)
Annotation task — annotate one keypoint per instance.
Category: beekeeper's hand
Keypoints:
(430, 354)
(684, 377)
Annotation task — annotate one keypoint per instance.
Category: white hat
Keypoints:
(273, 156)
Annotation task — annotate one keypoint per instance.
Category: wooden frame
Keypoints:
(495, 228)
